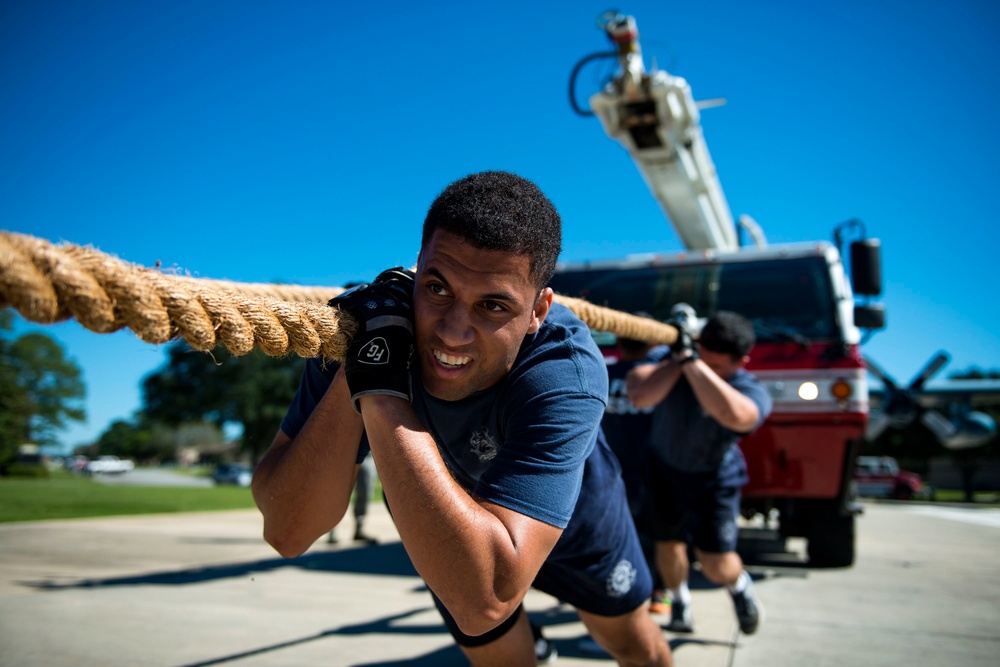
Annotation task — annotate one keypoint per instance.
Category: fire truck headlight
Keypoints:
(808, 391)
(841, 390)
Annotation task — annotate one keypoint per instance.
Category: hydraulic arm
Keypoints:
(653, 115)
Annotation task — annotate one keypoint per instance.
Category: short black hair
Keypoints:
(497, 210)
(728, 332)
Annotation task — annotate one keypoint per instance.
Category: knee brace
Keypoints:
(470, 641)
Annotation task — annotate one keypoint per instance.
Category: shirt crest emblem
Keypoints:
(483, 445)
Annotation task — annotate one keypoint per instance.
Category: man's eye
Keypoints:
(494, 306)
(436, 288)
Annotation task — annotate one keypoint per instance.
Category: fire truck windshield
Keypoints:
(786, 298)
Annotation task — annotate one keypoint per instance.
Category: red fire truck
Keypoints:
(799, 297)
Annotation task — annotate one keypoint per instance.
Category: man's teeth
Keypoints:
(449, 360)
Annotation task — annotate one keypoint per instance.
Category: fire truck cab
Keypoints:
(807, 354)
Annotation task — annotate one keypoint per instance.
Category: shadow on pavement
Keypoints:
(386, 559)
(765, 551)
(450, 655)
(581, 647)
(444, 657)
(764, 557)
(391, 559)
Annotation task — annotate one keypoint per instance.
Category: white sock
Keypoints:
(682, 594)
(741, 583)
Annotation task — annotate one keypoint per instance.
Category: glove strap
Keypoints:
(356, 398)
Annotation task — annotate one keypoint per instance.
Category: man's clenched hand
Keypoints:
(378, 357)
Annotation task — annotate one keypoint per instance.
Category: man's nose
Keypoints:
(455, 326)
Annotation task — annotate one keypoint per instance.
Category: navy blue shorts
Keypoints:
(693, 508)
(598, 564)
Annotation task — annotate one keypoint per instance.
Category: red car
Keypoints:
(880, 477)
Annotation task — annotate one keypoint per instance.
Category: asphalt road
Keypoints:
(203, 589)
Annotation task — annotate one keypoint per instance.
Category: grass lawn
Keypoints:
(68, 497)
(956, 496)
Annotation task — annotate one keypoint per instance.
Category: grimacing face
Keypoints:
(472, 310)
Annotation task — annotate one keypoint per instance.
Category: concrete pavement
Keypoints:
(193, 590)
(204, 589)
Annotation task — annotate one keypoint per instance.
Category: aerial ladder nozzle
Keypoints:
(655, 118)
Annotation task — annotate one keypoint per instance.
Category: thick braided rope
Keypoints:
(46, 283)
(623, 325)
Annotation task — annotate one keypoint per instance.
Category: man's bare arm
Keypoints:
(477, 557)
(303, 485)
(648, 384)
(720, 399)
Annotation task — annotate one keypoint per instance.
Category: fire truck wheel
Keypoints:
(831, 537)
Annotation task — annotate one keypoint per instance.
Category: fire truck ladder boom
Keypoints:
(654, 116)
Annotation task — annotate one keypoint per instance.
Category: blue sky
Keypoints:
(303, 141)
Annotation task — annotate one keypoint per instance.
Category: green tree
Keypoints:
(40, 389)
(13, 402)
(153, 443)
(253, 391)
(52, 383)
(121, 438)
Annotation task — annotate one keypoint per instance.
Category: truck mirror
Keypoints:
(871, 316)
(866, 267)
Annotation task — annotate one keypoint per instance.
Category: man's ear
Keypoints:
(541, 310)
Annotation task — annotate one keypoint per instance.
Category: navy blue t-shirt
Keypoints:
(523, 442)
(627, 429)
(688, 439)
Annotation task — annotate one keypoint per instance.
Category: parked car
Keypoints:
(880, 477)
(232, 473)
(76, 463)
(109, 465)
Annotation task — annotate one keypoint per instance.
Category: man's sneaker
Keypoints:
(659, 604)
(361, 536)
(680, 617)
(749, 610)
(545, 652)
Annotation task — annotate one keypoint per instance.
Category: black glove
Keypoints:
(378, 357)
(682, 349)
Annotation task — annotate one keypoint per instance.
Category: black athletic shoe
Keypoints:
(545, 652)
(361, 536)
(680, 617)
(749, 610)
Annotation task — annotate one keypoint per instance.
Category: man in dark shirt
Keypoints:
(705, 402)
(480, 400)
(627, 429)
